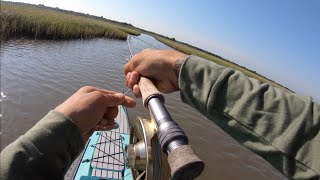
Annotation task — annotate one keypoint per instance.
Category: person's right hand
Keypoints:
(160, 66)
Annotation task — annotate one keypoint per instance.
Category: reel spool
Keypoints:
(144, 155)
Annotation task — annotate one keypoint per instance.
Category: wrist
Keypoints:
(177, 65)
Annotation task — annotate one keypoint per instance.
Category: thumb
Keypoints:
(113, 100)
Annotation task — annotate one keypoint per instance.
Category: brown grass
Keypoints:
(40, 23)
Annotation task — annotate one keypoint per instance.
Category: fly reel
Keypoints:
(144, 154)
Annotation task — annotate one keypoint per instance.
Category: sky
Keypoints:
(279, 39)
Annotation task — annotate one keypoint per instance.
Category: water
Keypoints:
(36, 76)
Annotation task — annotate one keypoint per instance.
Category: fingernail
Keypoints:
(119, 95)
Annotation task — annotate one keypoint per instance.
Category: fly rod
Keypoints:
(183, 162)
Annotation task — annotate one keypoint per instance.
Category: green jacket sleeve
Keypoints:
(281, 127)
(46, 151)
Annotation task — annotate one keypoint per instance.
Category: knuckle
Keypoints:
(86, 89)
(146, 50)
(112, 99)
(97, 95)
(125, 69)
(134, 58)
(135, 64)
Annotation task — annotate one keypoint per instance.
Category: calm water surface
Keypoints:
(38, 75)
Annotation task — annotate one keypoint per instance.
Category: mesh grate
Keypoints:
(108, 160)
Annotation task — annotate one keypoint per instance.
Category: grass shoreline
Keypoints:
(22, 20)
(41, 22)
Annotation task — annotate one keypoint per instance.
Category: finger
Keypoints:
(87, 134)
(104, 91)
(133, 79)
(147, 50)
(106, 125)
(132, 64)
(126, 68)
(111, 113)
(128, 79)
(105, 128)
(106, 122)
(129, 102)
(136, 91)
(129, 66)
(114, 100)
(89, 89)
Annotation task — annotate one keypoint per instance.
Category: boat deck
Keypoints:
(104, 156)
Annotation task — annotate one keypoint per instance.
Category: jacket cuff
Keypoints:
(196, 79)
(56, 135)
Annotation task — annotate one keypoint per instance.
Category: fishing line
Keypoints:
(128, 60)
(129, 46)
(144, 42)
(126, 92)
(131, 55)
(130, 50)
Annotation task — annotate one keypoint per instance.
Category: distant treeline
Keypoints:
(41, 22)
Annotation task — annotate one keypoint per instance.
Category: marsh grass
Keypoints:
(188, 49)
(128, 30)
(40, 23)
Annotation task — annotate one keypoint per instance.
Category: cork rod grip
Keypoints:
(147, 89)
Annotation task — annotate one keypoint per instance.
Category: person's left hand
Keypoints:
(93, 109)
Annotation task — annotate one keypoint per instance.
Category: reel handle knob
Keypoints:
(184, 164)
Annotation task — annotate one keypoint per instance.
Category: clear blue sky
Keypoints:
(277, 38)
